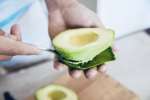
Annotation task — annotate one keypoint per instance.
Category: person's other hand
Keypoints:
(11, 45)
(73, 15)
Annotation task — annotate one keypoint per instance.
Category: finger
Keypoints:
(102, 68)
(114, 49)
(16, 32)
(11, 47)
(2, 32)
(3, 57)
(58, 65)
(75, 73)
(91, 73)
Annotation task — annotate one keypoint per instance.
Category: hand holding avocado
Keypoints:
(64, 15)
(76, 16)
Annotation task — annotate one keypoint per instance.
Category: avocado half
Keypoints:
(84, 48)
(55, 92)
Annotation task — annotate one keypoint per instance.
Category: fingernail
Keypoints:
(91, 73)
(76, 74)
(102, 69)
(60, 67)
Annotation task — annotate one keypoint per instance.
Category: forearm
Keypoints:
(11, 47)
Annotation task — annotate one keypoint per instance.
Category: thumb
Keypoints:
(11, 47)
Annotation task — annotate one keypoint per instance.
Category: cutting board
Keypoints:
(100, 88)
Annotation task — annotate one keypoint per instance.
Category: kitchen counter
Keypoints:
(132, 67)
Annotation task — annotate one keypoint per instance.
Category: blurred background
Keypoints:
(129, 18)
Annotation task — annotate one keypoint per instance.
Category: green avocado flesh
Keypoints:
(84, 48)
(55, 92)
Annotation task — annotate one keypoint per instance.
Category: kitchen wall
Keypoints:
(92, 4)
(125, 16)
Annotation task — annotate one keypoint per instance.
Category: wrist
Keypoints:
(51, 5)
(58, 4)
(65, 3)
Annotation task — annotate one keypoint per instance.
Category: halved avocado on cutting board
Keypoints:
(55, 92)
(84, 48)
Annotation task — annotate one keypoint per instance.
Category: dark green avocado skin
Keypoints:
(100, 59)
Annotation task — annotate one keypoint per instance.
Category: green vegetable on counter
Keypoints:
(55, 92)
